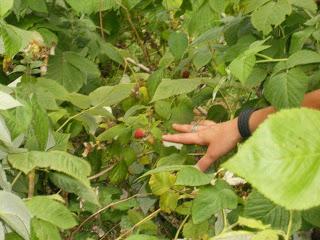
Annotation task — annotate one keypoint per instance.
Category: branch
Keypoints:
(144, 68)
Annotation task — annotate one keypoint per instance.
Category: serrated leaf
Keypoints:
(212, 199)
(168, 201)
(38, 6)
(5, 6)
(293, 175)
(303, 57)
(165, 168)
(54, 160)
(252, 223)
(169, 88)
(110, 95)
(8, 102)
(242, 67)
(160, 183)
(234, 235)
(44, 230)
(83, 64)
(15, 214)
(286, 89)
(195, 231)
(71, 185)
(192, 176)
(312, 216)
(270, 14)
(261, 208)
(178, 43)
(305, 4)
(52, 211)
(5, 135)
(251, 5)
(298, 39)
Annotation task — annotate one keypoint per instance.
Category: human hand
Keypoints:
(219, 137)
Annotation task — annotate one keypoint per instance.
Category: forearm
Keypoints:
(311, 100)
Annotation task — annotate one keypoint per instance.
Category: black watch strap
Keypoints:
(243, 122)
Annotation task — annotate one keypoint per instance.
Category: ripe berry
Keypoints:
(139, 133)
(185, 74)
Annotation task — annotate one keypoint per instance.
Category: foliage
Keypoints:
(80, 78)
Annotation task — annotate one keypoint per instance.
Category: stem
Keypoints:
(31, 177)
(147, 218)
(225, 221)
(273, 60)
(180, 227)
(101, 21)
(289, 226)
(264, 56)
(74, 116)
(16, 178)
(101, 173)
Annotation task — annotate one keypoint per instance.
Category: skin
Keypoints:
(223, 137)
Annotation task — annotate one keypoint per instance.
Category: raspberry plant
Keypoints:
(80, 78)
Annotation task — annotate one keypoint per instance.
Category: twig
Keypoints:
(202, 110)
(140, 42)
(273, 60)
(152, 215)
(100, 211)
(180, 227)
(144, 68)
(101, 173)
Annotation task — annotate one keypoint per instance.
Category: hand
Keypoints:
(219, 137)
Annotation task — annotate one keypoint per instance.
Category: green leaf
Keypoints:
(38, 5)
(312, 216)
(202, 57)
(112, 52)
(298, 39)
(110, 95)
(44, 230)
(52, 211)
(4, 184)
(142, 237)
(169, 88)
(251, 5)
(305, 4)
(252, 223)
(15, 214)
(165, 168)
(5, 6)
(5, 135)
(54, 160)
(242, 67)
(293, 175)
(212, 199)
(219, 5)
(270, 14)
(195, 231)
(168, 201)
(235, 235)
(161, 183)
(71, 185)
(8, 102)
(303, 57)
(172, 4)
(82, 63)
(178, 43)
(261, 208)
(192, 176)
(65, 73)
(286, 89)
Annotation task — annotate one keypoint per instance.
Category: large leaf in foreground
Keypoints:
(15, 214)
(54, 160)
(52, 211)
(281, 159)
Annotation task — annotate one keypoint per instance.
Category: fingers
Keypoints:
(186, 128)
(184, 138)
(207, 123)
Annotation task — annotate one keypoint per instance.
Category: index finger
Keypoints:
(184, 138)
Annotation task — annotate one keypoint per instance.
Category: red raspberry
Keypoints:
(139, 133)
(185, 74)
